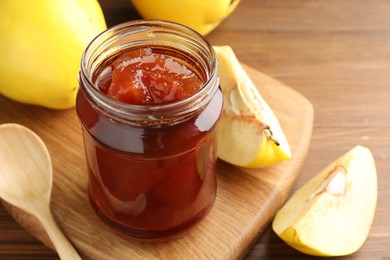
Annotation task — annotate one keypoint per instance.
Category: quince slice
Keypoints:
(248, 133)
(332, 214)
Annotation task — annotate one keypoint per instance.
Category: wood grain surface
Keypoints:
(245, 204)
(334, 52)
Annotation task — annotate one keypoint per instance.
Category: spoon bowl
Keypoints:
(25, 168)
(26, 179)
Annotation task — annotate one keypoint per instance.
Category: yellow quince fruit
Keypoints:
(248, 133)
(202, 16)
(41, 47)
(331, 215)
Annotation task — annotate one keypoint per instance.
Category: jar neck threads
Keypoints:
(177, 40)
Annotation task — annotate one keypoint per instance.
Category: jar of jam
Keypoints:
(148, 103)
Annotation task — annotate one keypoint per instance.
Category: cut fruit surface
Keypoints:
(249, 134)
(331, 215)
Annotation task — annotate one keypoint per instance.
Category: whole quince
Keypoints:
(202, 16)
(41, 47)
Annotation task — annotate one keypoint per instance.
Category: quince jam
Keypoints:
(155, 177)
(142, 77)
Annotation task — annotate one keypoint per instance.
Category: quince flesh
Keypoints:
(41, 47)
(202, 16)
(332, 214)
(248, 133)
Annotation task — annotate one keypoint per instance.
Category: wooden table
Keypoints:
(334, 52)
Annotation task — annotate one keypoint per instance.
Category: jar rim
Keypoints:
(129, 110)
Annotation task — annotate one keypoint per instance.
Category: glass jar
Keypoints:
(152, 168)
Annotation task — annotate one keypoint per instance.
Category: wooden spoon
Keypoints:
(26, 179)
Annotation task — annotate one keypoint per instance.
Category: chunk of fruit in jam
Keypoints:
(142, 77)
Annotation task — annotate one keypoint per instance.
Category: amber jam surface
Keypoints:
(144, 77)
(150, 181)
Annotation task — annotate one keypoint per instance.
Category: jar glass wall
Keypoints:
(152, 168)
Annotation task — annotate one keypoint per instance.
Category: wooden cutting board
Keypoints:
(246, 199)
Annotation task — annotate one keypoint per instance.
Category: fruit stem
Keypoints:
(270, 135)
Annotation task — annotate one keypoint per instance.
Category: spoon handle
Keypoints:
(62, 245)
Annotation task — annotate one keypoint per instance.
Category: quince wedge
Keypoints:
(331, 215)
(41, 47)
(248, 133)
